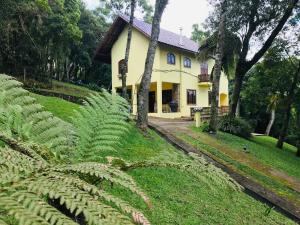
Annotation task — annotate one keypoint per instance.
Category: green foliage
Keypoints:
(100, 123)
(267, 86)
(205, 127)
(22, 118)
(236, 126)
(198, 34)
(36, 187)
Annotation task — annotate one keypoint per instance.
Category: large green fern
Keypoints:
(35, 188)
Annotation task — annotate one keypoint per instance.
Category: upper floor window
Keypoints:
(187, 62)
(204, 68)
(121, 65)
(171, 58)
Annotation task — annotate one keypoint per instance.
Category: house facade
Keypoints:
(179, 83)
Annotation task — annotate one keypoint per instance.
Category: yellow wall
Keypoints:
(163, 73)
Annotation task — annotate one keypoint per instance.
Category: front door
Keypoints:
(151, 102)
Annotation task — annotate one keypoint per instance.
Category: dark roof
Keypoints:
(165, 37)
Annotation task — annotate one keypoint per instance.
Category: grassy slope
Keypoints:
(177, 197)
(68, 89)
(229, 149)
(264, 150)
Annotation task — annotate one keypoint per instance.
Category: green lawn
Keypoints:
(264, 150)
(273, 168)
(177, 197)
(67, 89)
(59, 107)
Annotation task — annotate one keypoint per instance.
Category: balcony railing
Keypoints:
(205, 114)
(203, 78)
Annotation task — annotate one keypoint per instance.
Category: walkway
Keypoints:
(169, 129)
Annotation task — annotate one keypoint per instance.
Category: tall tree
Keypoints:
(124, 67)
(288, 105)
(254, 21)
(217, 70)
(143, 92)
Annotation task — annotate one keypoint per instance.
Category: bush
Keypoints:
(236, 126)
(93, 86)
(204, 127)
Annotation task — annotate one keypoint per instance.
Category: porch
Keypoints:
(164, 99)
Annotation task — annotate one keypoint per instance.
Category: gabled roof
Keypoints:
(165, 37)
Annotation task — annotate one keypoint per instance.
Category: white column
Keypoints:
(159, 97)
(134, 99)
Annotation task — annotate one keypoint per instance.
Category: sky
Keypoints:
(179, 13)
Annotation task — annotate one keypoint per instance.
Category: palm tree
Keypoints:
(272, 108)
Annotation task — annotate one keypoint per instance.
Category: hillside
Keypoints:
(177, 197)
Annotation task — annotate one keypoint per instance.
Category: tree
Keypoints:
(143, 92)
(274, 99)
(198, 34)
(217, 71)
(124, 67)
(288, 105)
(111, 8)
(253, 21)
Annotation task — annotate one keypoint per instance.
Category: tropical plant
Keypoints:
(36, 187)
(236, 126)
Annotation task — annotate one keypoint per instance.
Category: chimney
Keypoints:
(181, 37)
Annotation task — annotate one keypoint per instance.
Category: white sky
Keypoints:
(179, 13)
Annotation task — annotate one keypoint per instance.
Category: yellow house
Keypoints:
(179, 83)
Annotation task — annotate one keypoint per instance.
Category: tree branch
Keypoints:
(278, 28)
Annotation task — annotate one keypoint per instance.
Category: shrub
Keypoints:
(93, 86)
(204, 127)
(236, 126)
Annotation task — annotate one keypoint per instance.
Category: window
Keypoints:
(187, 62)
(171, 58)
(209, 97)
(191, 96)
(121, 63)
(204, 68)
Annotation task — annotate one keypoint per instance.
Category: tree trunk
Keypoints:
(217, 72)
(124, 67)
(271, 122)
(287, 112)
(298, 149)
(143, 92)
(238, 82)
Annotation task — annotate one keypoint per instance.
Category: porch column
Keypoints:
(159, 98)
(113, 90)
(134, 99)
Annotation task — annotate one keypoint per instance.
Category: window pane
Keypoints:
(191, 96)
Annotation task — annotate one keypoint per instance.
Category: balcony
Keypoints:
(204, 80)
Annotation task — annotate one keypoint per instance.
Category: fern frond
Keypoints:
(137, 216)
(23, 118)
(21, 213)
(77, 201)
(40, 208)
(100, 123)
(103, 171)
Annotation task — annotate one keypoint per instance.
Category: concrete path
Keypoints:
(169, 128)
